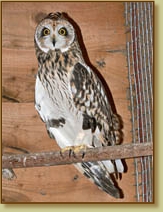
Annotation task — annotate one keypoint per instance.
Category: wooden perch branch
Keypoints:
(93, 154)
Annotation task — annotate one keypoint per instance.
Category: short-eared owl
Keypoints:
(72, 101)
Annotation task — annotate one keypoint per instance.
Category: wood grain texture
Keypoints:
(103, 31)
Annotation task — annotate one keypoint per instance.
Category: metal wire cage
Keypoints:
(139, 33)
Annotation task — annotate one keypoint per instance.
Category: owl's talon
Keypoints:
(68, 149)
(71, 152)
(83, 155)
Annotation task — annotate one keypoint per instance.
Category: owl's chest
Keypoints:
(54, 105)
(53, 97)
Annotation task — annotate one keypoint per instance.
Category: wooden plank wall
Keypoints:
(103, 29)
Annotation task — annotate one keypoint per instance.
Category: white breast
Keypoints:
(43, 103)
(71, 134)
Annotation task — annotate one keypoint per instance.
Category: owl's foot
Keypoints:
(75, 149)
(67, 149)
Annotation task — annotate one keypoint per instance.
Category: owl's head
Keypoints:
(54, 33)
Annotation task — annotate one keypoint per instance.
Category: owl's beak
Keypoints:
(53, 41)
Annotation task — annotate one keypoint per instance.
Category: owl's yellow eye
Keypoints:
(46, 31)
(63, 31)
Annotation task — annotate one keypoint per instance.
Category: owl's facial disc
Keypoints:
(53, 36)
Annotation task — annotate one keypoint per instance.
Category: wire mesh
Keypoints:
(139, 33)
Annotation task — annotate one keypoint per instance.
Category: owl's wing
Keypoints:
(89, 97)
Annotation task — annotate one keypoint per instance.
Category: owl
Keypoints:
(72, 101)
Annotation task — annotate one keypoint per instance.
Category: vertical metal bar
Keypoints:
(148, 16)
(138, 81)
(133, 118)
(148, 52)
(144, 109)
(133, 61)
(150, 5)
(142, 74)
(149, 88)
(136, 97)
(145, 69)
(139, 95)
(150, 178)
(148, 73)
(129, 22)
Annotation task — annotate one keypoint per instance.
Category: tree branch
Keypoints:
(91, 154)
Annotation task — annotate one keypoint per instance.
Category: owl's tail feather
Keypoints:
(97, 173)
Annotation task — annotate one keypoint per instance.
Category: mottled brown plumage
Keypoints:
(71, 99)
